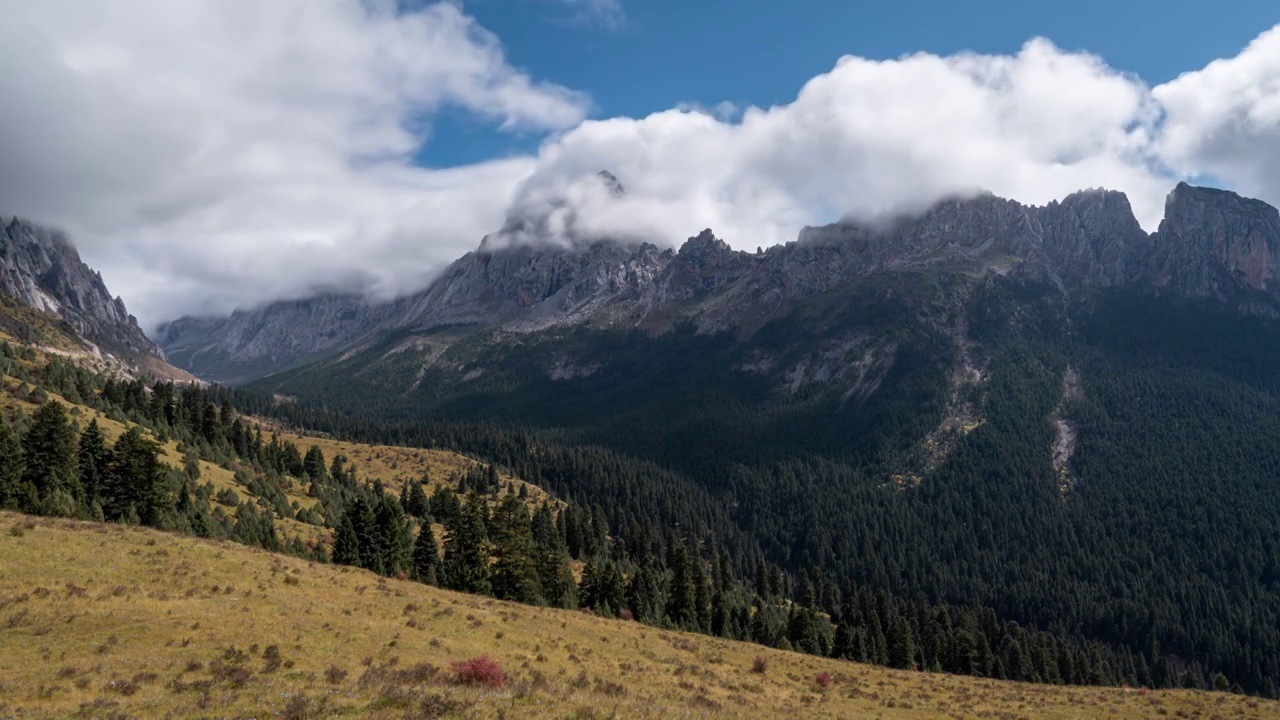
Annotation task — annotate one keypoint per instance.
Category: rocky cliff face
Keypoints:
(1212, 244)
(41, 269)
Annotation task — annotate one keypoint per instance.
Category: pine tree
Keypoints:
(416, 503)
(555, 576)
(681, 594)
(701, 595)
(136, 483)
(346, 546)
(515, 572)
(313, 465)
(445, 505)
(94, 461)
(365, 525)
(900, 644)
(466, 551)
(15, 493)
(49, 452)
(393, 548)
(426, 557)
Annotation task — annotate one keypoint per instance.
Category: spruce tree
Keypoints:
(416, 503)
(426, 557)
(644, 594)
(313, 465)
(14, 493)
(701, 595)
(94, 461)
(346, 546)
(901, 645)
(515, 572)
(393, 549)
(466, 550)
(681, 594)
(555, 576)
(49, 451)
(136, 482)
(365, 526)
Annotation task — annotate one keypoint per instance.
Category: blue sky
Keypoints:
(667, 52)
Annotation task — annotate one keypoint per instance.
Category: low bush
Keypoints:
(480, 670)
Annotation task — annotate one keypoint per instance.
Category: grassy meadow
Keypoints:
(107, 621)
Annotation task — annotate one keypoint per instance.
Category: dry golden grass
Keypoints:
(108, 621)
(394, 465)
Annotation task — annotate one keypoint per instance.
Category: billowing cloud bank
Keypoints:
(214, 154)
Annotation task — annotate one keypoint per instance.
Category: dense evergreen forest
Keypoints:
(667, 569)
(1164, 547)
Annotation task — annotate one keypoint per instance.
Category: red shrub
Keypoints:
(626, 614)
(1142, 691)
(823, 679)
(759, 665)
(479, 671)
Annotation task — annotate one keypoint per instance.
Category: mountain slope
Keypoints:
(104, 620)
(249, 344)
(42, 270)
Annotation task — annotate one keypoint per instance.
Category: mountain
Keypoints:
(41, 271)
(1212, 244)
(1042, 410)
(249, 344)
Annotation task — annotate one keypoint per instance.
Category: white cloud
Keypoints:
(212, 154)
(867, 138)
(1224, 120)
(208, 154)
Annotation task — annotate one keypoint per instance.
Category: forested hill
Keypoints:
(1101, 467)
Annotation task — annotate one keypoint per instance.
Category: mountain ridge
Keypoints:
(1090, 238)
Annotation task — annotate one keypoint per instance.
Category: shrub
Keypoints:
(479, 671)
(335, 674)
(823, 679)
(759, 665)
(271, 658)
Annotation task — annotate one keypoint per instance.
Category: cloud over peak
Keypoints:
(209, 155)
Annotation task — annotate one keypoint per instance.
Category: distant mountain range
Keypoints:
(1211, 244)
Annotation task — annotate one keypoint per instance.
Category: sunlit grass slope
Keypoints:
(111, 621)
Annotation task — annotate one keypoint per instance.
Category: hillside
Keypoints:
(41, 269)
(109, 621)
(25, 388)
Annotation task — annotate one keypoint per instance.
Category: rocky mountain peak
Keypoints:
(1213, 241)
(611, 182)
(703, 250)
(41, 268)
